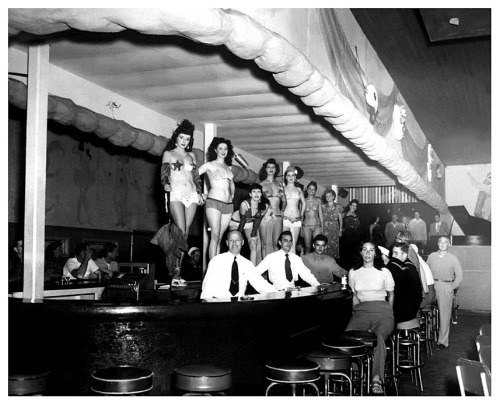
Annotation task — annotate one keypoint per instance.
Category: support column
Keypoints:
(36, 155)
(210, 134)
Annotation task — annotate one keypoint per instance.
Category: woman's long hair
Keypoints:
(262, 171)
(185, 127)
(378, 262)
(212, 155)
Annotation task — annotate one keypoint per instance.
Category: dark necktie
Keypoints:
(234, 286)
(288, 268)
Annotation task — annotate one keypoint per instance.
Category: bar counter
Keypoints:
(169, 328)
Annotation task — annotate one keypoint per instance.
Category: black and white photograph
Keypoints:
(249, 201)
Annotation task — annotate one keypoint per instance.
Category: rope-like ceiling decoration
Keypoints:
(247, 39)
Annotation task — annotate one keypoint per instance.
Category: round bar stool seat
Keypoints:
(332, 362)
(352, 346)
(293, 373)
(121, 380)
(369, 339)
(356, 348)
(203, 378)
(411, 324)
(33, 383)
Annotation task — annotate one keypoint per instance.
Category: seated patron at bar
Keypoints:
(407, 284)
(228, 273)
(426, 278)
(191, 268)
(322, 266)
(81, 265)
(107, 261)
(284, 267)
(54, 261)
(16, 270)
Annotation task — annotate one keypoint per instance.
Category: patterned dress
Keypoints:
(331, 228)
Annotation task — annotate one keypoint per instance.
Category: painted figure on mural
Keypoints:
(483, 203)
(84, 179)
(120, 194)
(55, 173)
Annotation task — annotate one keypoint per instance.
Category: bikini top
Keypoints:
(268, 192)
(178, 165)
(294, 195)
(219, 174)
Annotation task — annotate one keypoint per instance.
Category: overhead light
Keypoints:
(454, 21)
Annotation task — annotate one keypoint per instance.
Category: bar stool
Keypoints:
(426, 329)
(357, 350)
(369, 339)
(435, 323)
(203, 379)
(332, 363)
(391, 373)
(408, 337)
(121, 380)
(293, 373)
(28, 383)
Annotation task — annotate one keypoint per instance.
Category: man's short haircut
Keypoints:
(444, 236)
(320, 237)
(402, 245)
(284, 233)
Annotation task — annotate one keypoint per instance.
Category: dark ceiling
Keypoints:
(445, 82)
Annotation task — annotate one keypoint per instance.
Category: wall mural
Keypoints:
(474, 192)
(91, 183)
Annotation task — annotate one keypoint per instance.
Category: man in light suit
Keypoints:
(438, 227)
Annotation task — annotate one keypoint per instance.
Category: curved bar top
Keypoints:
(72, 338)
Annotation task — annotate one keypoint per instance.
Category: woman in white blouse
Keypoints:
(373, 298)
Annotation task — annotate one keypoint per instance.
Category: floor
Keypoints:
(438, 374)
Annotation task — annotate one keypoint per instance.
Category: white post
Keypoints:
(285, 165)
(36, 156)
(209, 135)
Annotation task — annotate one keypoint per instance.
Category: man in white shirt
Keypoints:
(81, 266)
(228, 273)
(418, 229)
(285, 267)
